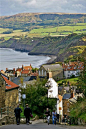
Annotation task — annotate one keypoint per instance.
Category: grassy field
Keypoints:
(3, 30)
(72, 81)
(64, 30)
(48, 31)
(15, 33)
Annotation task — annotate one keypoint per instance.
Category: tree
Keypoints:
(36, 97)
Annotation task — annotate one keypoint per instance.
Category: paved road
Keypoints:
(40, 126)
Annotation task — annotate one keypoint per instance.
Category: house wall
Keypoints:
(66, 106)
(42, 72)
(11, 98)
(61, 106)
(55, 74)
(24, 75)
(70, 73)
(53, 90)
(7, 97)
(2, 93)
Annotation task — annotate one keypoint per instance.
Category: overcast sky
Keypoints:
(11, 7)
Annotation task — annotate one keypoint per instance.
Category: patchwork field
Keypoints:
(48, 31)
(60, 30)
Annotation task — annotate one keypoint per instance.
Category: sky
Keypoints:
(12, 7)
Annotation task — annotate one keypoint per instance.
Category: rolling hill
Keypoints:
(27, 20)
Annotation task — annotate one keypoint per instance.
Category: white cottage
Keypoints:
(53, 93)
(73, 68)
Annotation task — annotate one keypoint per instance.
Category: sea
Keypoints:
(10, 59)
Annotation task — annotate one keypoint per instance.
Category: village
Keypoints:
(66, 94)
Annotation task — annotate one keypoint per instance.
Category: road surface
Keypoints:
(40, 126)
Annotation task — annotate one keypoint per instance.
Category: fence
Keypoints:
(6, 111)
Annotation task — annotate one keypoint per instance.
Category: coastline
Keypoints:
(52, 60)
(23, 58)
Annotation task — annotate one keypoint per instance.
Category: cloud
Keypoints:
(10, 7)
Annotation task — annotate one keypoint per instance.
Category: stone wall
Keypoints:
(8, 98)
(66, 106)
(2, 92)
(57, 75)
(7, 120)
(11, 100)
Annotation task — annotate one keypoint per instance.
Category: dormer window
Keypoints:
(6, 84)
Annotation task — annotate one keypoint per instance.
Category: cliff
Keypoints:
(62, 47)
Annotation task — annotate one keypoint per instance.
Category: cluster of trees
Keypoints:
(36, 97)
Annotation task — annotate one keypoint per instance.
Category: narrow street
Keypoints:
(40, 126)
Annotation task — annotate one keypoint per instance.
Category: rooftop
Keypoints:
(53, 67)
(67, 96)
(9, 84)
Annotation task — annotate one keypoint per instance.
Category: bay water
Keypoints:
(10, 59)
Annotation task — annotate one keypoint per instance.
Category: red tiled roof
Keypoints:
(10, 85)
(73, 67)
(34, 74)
(27, 67)
(19, 69)
(25, 71)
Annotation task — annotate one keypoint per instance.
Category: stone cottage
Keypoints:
(8, 93)
(56, 69)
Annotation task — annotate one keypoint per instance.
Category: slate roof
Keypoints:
(67, 96)
(53, 67)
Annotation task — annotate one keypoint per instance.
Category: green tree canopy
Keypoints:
(36, 97)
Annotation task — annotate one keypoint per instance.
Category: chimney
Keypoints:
(72, 94)
(49, 75)
(22, 67)
(6, 69)
(13, 69)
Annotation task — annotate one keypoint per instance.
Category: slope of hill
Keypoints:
(26, 20)
(62, 47)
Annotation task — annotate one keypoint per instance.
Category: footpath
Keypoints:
(39, 124)
(63, 126)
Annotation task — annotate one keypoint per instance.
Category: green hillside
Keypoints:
(24, 20)
(42, 24)
(63, 47)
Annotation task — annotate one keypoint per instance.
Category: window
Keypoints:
(39, 72)
(42, 71)
(45, 73)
